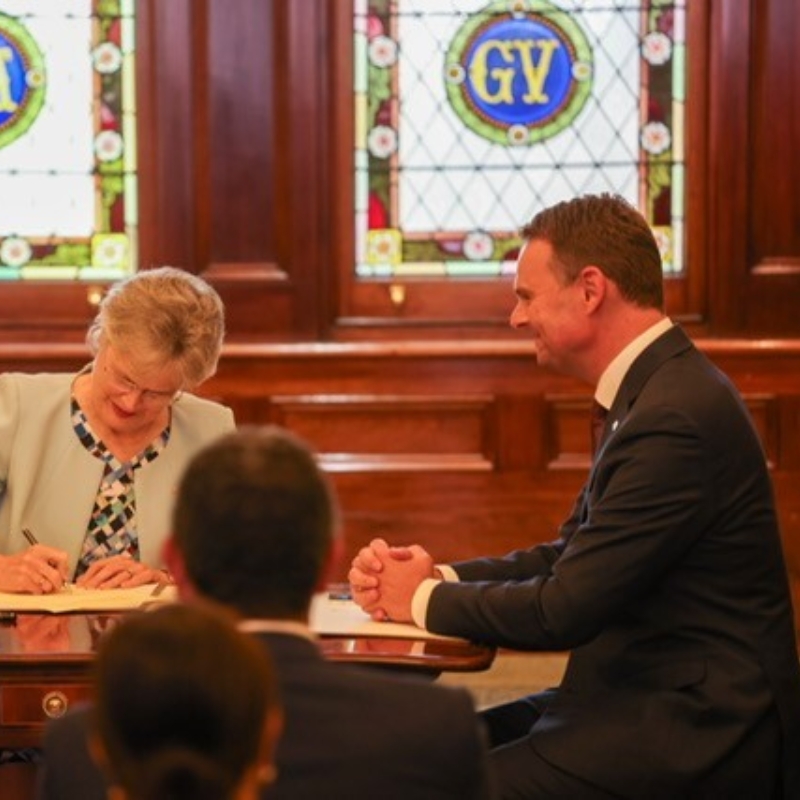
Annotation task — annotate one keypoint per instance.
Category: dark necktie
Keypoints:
(598, 420)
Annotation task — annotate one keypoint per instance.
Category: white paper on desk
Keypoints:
(75, 598)
(345, 618)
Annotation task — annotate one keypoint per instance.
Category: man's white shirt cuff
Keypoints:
(419, 603)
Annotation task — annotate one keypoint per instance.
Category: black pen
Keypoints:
(32, 540)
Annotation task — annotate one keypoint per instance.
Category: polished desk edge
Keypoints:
(427, 655)
(66, 643)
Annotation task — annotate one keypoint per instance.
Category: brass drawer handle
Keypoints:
(55, 704)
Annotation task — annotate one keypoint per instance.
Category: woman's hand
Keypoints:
(120, 572)
(38, 570)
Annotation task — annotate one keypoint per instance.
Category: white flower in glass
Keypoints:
(107, 58)
(108, 146)
(656, 48)
(383, 51)
(109, 251)
(15, 251)
(656, 138)
(382, 141)
(478, 246)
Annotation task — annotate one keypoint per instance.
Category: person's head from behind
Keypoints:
(255, 524)
(589, 272)
(186, 706)
(157, 319)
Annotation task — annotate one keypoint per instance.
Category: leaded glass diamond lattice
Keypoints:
(473, 115)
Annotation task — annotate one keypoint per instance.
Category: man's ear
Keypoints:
(594, 284)
(173, 559)
(332, 563)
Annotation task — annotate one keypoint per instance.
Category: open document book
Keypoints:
(75, 598)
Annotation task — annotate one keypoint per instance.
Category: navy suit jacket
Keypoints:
(668, 585)
(349, 733)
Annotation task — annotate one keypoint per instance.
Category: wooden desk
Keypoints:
(45, 661)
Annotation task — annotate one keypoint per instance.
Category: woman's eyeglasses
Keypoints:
(124, 385)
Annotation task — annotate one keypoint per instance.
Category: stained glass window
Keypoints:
(67, 139)
(473, 115)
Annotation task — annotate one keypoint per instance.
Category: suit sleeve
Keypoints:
(649, 497)
(522, 564)
(9, 416)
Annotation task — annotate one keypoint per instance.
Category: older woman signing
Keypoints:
(89, 462)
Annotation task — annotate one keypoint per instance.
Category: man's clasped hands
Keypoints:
(384, 579)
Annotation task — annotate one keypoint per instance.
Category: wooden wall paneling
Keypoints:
(788, 433)
(687, 300)
(243, 244)
(728, 173)
(47, 312)
(390, 432)
(311, 196)
(775, 120)
(454, 515)
(568, 433)
(240, 60)
(386, 367)
(521, 432)
(33, 357)
(774, 207)
(754, 127)
(165, 95)
(341, 132)
(764, 410)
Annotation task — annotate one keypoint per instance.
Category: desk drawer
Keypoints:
(35, 703)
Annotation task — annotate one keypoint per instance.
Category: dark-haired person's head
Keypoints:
(605, 231)
(186, 707)
(255, 524)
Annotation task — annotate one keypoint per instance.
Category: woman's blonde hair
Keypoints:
(164, 314)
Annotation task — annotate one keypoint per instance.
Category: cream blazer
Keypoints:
(49, 481)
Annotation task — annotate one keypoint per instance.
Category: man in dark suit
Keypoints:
(255, 530)
(667, 582)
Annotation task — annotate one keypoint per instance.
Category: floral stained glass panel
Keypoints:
(67, 140)
(471, 115)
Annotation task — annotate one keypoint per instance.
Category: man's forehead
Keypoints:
(533, 263)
